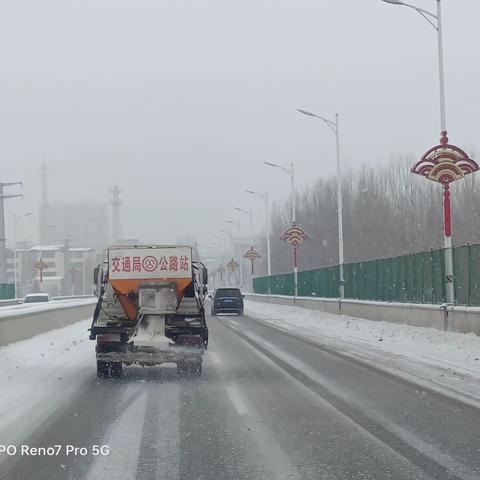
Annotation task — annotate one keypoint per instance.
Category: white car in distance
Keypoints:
(37, 298)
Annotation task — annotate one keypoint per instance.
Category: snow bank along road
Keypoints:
(270, 405)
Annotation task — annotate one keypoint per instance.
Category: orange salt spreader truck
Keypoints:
(150, 309)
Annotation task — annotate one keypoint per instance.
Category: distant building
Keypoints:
(80, 223)
(53, 277)
(82, 263)
(68, 270)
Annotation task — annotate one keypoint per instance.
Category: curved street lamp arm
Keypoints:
(424, 13)
(241, 210)
(330, 124)
(263, 197)
(286, 170)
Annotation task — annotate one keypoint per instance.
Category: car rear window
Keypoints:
(228, 292)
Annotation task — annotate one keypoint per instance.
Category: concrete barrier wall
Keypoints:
(18, 301)
(20, 324)
(452, 318)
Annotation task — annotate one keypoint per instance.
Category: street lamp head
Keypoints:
(393, 2)
(270, 164)
(251, 191)
(286, 170)
(305, 112)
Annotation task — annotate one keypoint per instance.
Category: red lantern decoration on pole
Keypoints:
(446, 163)
(252, 255)
(294, 236)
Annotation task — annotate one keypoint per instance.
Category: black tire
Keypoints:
(214, 313)
(196, 368)
(102, 369)
(240, 313)
(116, 369)
(182, 369)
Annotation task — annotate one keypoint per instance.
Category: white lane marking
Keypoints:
(215, 359)
(165, 437)
(410, 438)
(125, 435)
(236, 400)
(234, 327)
(233, 322)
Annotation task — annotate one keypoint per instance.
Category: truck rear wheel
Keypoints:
(109, 369)
(193, 369)
(116, 369)
(182, 369)
(102, 369)
(196, 368)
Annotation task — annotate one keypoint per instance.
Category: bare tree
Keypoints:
(387, 212)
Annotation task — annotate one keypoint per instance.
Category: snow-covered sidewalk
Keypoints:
(445, 361)
(38, 375)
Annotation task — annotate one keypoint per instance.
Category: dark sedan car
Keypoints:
(227, 300)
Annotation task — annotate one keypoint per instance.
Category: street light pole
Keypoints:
(250, 214)
(291, 173)
(441, 68)
(335, 127)
(16, 220)
(238, 225)
(435, 20)
(3, 247)
(267, 213)
(294, 209)
(230, 237)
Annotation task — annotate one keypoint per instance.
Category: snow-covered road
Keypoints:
(270, 405)
(447, 361)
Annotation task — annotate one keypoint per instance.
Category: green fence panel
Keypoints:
(461, 275)
(474, 274)
(409, 278)
(7, 291)
(402, 279)
(438, 280)
(427, 277)
(348, 277)
(306, 284)
(415, 277)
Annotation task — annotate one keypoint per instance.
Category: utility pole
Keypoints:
(116, 202)
(3, 249)
(44, 220)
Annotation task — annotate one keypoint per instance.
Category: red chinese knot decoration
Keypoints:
(232, 265)
(445, 163)
(294, 235)
(252, 254)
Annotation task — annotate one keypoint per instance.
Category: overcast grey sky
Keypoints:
(180, 101)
